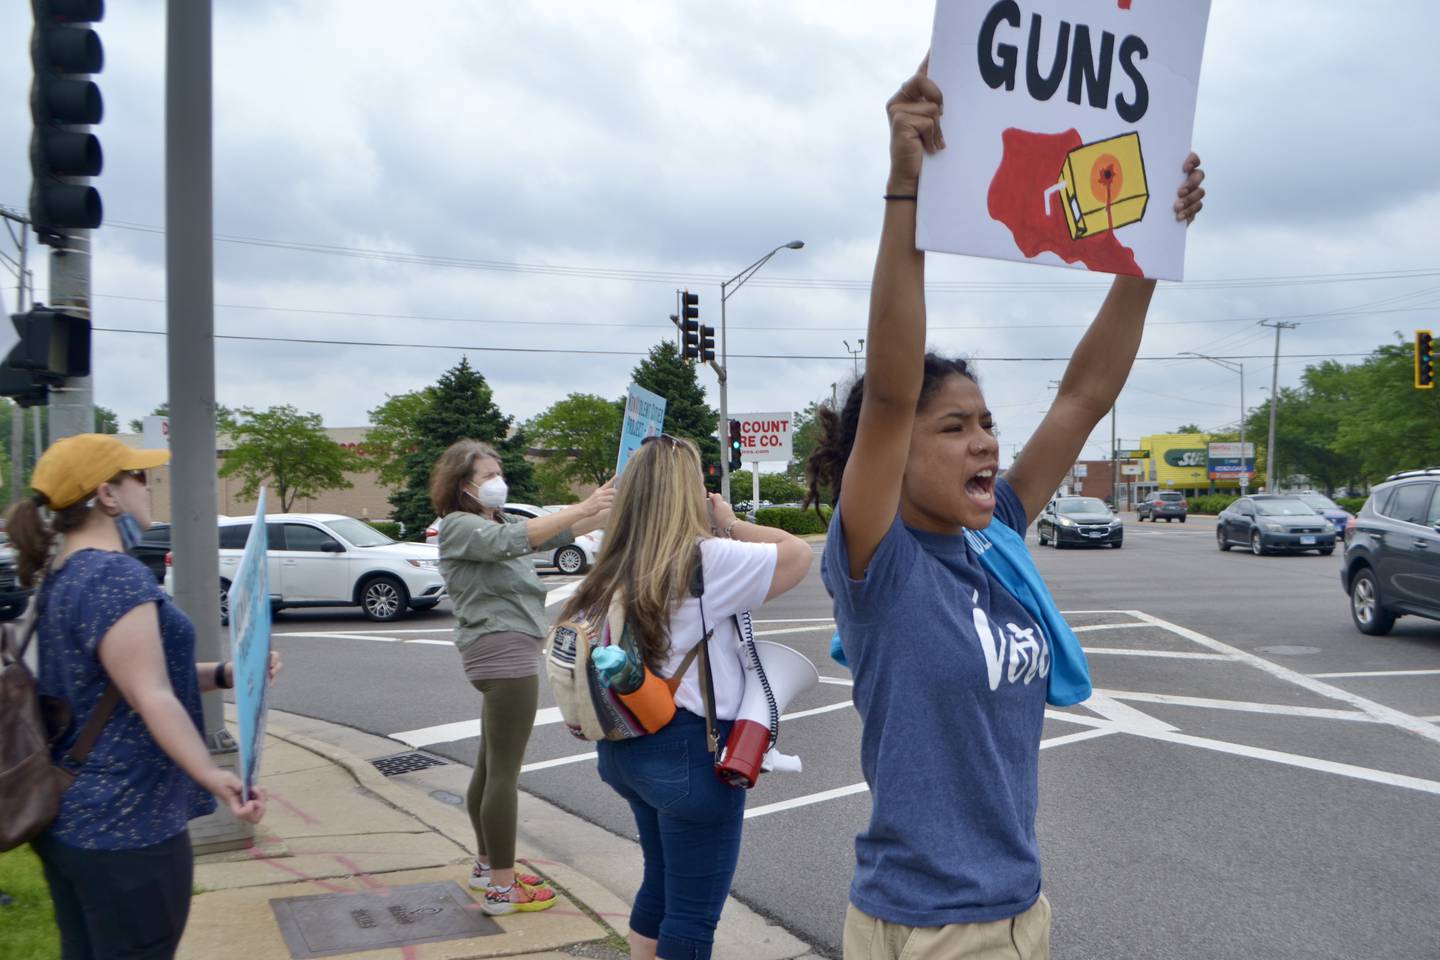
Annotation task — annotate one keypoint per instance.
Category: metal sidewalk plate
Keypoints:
(337, 923)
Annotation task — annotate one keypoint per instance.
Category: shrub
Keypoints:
(391, 528)
(793, 519)
(1211, 503)
(1352, 504)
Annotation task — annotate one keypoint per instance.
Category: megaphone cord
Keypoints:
(747, 634)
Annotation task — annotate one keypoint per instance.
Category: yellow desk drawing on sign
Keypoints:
(1102, 185)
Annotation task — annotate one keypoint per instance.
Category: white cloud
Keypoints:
(689, 139)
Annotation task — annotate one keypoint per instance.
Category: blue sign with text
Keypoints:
(250, 642)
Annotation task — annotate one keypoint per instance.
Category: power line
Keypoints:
(313, 311)
(483, 348)
(667, 276)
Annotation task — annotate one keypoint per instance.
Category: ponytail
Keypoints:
(34, 539)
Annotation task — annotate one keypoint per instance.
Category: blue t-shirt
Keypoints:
(950, 677)
(129, 793)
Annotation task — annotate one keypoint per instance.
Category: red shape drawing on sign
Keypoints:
(1029, 166)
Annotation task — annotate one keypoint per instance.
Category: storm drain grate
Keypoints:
(406, 763)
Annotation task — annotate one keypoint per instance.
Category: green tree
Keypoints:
(1189, 428)
(804, 435)
(288, 449)
(395, 433)
(106, 421)
(1389, 425)
(775, 487)
(666, 373)
(581, 435)
(461, 407)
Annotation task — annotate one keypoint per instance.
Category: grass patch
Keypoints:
(27, 924)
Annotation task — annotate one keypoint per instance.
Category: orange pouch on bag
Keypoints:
(652, 703)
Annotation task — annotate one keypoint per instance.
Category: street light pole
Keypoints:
(1239, 368)
(1274, 401)
(727, 290)
(855, 353)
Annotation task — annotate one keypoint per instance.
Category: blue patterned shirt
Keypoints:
(129, 794)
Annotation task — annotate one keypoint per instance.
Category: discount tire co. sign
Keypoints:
(765, 437)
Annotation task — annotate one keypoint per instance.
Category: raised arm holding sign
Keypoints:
(1078, 118)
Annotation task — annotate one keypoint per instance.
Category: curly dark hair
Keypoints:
(825, 467)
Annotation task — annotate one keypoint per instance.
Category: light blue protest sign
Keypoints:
(250, 642)
(644, 417)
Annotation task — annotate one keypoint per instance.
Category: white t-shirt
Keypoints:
(737, 578)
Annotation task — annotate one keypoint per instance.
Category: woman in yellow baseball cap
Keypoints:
(117, 858)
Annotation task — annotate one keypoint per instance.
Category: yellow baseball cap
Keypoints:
(72, 469)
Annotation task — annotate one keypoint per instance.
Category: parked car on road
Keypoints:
(1274, 523)
(1168, 505)
(571, 558)
(1327, 508)
(1392, 556)
(13, 597)
(1076, 521)
(326, 560)
(153, 548)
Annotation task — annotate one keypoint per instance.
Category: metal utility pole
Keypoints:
(1114, 463)
(855, 353)
(72, 404)
(1274, 401)
(1239, 368)
(727, 290)
(190, 356)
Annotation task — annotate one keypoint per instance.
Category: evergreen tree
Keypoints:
(666, 373)
(461, 407)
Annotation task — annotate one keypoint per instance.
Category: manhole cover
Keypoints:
(1288, 650)
(333, 923)
(406, 763)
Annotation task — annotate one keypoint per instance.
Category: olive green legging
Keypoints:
(493, 799)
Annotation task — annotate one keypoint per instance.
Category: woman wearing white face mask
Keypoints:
(500, 608)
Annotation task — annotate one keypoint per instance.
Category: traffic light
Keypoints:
(53, 346)
(63, 101)
(690, 325)
(734, 440)
(707, 343)
(1424, 360)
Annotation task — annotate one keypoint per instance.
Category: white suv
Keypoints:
(572, 558)
(326, 560)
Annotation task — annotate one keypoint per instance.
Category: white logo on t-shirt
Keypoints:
(1028, 652)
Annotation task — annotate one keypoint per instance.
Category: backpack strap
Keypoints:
(673, 681)
(80, 750)
(707, 680)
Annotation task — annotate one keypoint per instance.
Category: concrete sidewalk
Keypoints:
(335, 861)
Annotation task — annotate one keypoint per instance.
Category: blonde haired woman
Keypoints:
(500, 608)
(688, 819)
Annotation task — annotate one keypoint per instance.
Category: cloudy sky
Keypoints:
(545, 175)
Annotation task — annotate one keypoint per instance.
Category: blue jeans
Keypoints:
(689, 823)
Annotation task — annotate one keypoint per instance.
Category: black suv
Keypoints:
(1392, 552)
(1170, 504)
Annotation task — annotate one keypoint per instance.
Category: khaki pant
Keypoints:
(1025, 937)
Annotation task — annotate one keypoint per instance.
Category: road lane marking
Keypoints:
(1163, 654)
(862, 787)
(361, 633)
(838, 681)
(1295, 760)
(437, 643)
(557, 762)
(463, 729)
(1381, 712)
(775, 633)
(1109, 626)
(561, 593)
(1243, 706)
(1379, 673)
(377, 638)
(799, 620)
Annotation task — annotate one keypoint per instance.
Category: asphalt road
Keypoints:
(1253, 779)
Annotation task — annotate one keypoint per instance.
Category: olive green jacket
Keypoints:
(490, 576)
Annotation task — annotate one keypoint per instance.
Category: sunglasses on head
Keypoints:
(668, 440)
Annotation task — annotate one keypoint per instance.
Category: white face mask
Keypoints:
(491, 493)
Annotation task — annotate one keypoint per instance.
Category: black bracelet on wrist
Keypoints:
(220, 683)
(902, 196)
